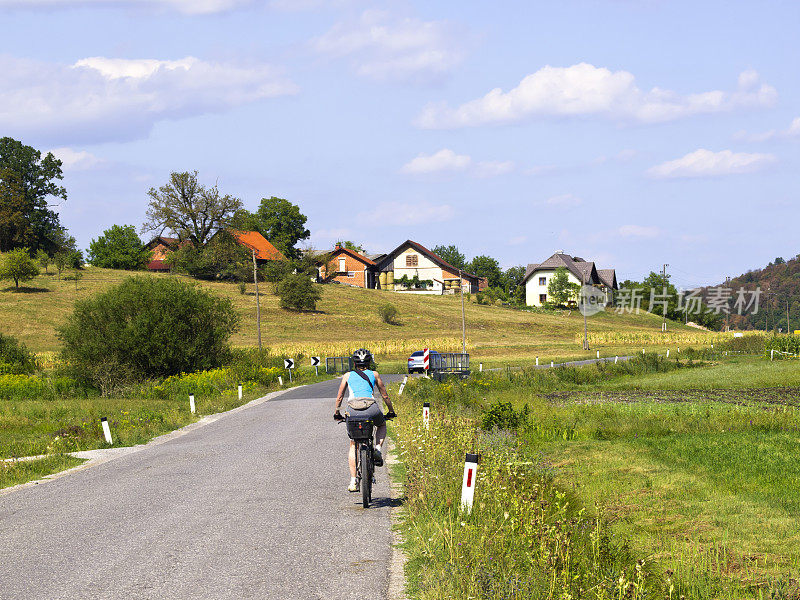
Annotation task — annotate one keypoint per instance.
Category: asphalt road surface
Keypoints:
(253, 505)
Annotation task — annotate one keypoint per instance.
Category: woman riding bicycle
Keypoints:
(362, 383)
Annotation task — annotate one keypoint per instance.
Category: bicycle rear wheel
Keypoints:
(366, 475)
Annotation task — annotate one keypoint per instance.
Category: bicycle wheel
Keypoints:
(366, 475)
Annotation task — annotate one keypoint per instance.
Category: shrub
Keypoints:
(503, 416)
(388, 313)
(15, 358)
(18, 265)
(242, 288)
(147, 327)
(298, 292)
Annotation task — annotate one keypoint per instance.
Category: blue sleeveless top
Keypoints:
(358, 387)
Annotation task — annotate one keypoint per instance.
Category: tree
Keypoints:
(297, 292)
(28, 180)
(486, 266)
(147, 327)
(43, 259)
(278, 220)
(561, 291)
(188, 209)
(512, 283)
(61, 261)
(221, 258)
(352, 246)
(119, 248)
(19, 266)
(452, 255)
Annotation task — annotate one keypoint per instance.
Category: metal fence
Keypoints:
(449, 363)
(338, 364)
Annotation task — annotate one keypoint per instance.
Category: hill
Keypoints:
(347, 316)
(780, 284)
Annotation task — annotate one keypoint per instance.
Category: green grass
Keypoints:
(694, 471)
(18, 472)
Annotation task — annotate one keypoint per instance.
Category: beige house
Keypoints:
(411, 260)
(579, 271)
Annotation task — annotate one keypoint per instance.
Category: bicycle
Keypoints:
(362, 432)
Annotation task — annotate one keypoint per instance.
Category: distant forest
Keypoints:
(780, 286)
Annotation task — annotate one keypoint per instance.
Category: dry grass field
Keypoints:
(347, 316)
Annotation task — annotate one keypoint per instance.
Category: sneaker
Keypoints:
(377, 458)
(353, 487)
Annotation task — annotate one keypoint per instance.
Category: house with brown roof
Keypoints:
(348, 267)
(410, 260)
(579, 271)
(160, 246)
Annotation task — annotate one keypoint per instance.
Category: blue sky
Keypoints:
(632, 133)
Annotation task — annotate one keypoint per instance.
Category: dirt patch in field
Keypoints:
(786, 396)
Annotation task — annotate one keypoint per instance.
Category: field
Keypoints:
(689, 474)
(348, 317)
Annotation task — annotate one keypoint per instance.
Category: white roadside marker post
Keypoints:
(191, 403)
(552, 364)
(402, 386)
(426, 414)
(616, 358)
(537, 361)
(480, 367)
(468, 485)
(240, 391)
(598, 354)
(642, 351)
(772, 354)
(106, 430)
(280, 380)
(667, 352)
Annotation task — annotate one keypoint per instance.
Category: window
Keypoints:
(351, 274)
(542, 298)
(542, 280)
(342, 267)
(412, 260)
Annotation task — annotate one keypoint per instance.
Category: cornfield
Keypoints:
(377, 347)
(658, 338)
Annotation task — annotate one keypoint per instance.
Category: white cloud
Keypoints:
(705, 163)
(386, 48)
(100, 99)
(443, 160)
(76, 160)
(192, 7)
(793, 131)
(638, 231)
(447, 161)
(564, 200)
(584, 90)
(407, 213)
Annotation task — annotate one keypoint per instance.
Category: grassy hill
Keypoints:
(348, 316)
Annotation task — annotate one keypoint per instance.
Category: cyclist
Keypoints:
(362, 382)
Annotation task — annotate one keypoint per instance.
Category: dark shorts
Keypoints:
(374, 412)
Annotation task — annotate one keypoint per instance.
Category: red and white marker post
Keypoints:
(468, 486)
(426, 414)
(426, 360)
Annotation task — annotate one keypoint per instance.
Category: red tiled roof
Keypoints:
(354, 254)
(255, 241)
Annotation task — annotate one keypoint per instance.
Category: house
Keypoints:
(160, 246)
(348, 267)
(410, 260)
(579, 271)
(254, 242)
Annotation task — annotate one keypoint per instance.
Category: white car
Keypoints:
(415, 361)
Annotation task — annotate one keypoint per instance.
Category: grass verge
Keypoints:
(18, 472)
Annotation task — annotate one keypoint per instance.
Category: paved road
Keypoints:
(253, 505)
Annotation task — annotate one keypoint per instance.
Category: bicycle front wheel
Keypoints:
(366, 475)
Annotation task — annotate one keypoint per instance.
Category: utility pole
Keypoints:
(463, 317)
(727, 313)
(258, 303)
(664, 308)
(583, 294)
(788, 330)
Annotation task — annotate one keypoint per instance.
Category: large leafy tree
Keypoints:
(561, 291)
(119, 248)
(451, 255)
(28, 182)
(188, 209)
(486, 266)
(278, 220)
(512, 283)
